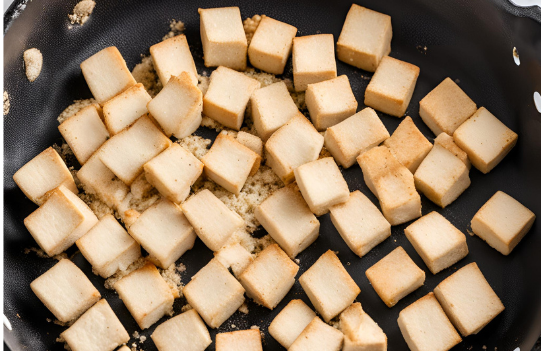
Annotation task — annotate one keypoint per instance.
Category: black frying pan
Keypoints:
(471, 41)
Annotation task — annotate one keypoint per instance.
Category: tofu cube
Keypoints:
(313, 60)
(171, 57)
(446, 141)
(187, 331)
(442, 176)
(229, 163)
(124, 348)
(43, 174)
(329, 286)
(60, 221)
(330, 102)
(322, 185)
(468, 300)
(375, 163)
(124, 109)
(177, 107)
(318, 336)
(97, 329)
(234, 256)
(290, 322)
(291, 146)
(126, 153)
(271, 45)
(227, 96)
(146, 294)
(391, 87)
(269, 278)
(214, 293)
(502, 222)
(106, 74)
(272, 107)
(223, 38)
(425, 326)
(365, 38)
(65, 291)
(240, 340)
(213, 222)
(361, 333)
(173, 172)
(164, 232)
(360, 223)
(251, 141)
(354, 136)
(408, 145)
(485, 139)
(108, 247)
(446, 107)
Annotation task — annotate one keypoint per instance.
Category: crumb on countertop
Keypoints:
(33, 62)
(82, 11)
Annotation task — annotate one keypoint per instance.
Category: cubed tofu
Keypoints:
(468, 300)
(186, 332)
(360, 223)
(291, 146)
(322, 185)
(365, 38)
(106, 74)
(171, 57)
(425, 327)
(269, 278)
(329, 286)
(214, 293)
(395, 276)
(251, 141)
(354, 136)
(108, 247)
(375, 163)
(223, 38)
(361, 333)
(146, 294)
(446, 107)
(173, 172)
(439, 243)
(330, 102)
(502, 222)
(318, 336)
(290, 322)
(234, 256)
(272, 107)
(60, 221)
(240, 340)
(124, 348)
(448, 142)
(124, 109)
(178, 106)
(442, 176)
(43, 174)
(485, 139)
(98, 329)
(408, 145)
(313, 60)
(65, 291)
(126, 153)
(213, 222)
(391, 87)
(229, 163)
(164, 232)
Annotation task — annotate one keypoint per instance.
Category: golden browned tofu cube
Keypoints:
(171, 57)
(186, 332)
(318, 336)
(124, 109)
(240, 340)
(290, 322)
(361, 333)
(447, 141)
(252, 142)
(313, 60)
(375, 163)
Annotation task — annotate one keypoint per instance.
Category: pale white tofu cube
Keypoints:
(124, 109)
(365, 38)
(186, 332)
(447, 141)
(318, 336)
(65, 291)
(146, 294)
(106, 74)
(290, 322)
(108, 247)
(313, 60)
(251, 141)
(240, 340)
(395, 276)
(354, 136)
(214, 293)
(234, 256)
(329, 286)
(485, 139)
(223, 38)
(43, 174)
(360, 223)
(171, 57)
(361, 333)
(502, 222)
(446, 107)
(468, 300)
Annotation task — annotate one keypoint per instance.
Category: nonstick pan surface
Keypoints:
(469, 41)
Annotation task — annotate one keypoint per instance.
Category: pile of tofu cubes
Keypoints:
(124, 144)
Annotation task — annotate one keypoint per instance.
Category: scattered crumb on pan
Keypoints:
(82, 11)
(7, 104)
(33, 62)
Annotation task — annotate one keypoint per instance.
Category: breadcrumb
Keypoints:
(197, 145)
(145, 74)
(82, 11)
(250, 25)
(203, 82)
(176, 28)
(33, 62)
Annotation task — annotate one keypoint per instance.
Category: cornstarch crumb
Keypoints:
(250, 25)
(145, 74)
(82, 11)
(186, 307)
(203, 82)
(6, 103)
(176, 28)
(33, 62)
(172, 276)
(197, 145)
(244, 308)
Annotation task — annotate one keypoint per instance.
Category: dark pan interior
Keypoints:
(470, 41)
